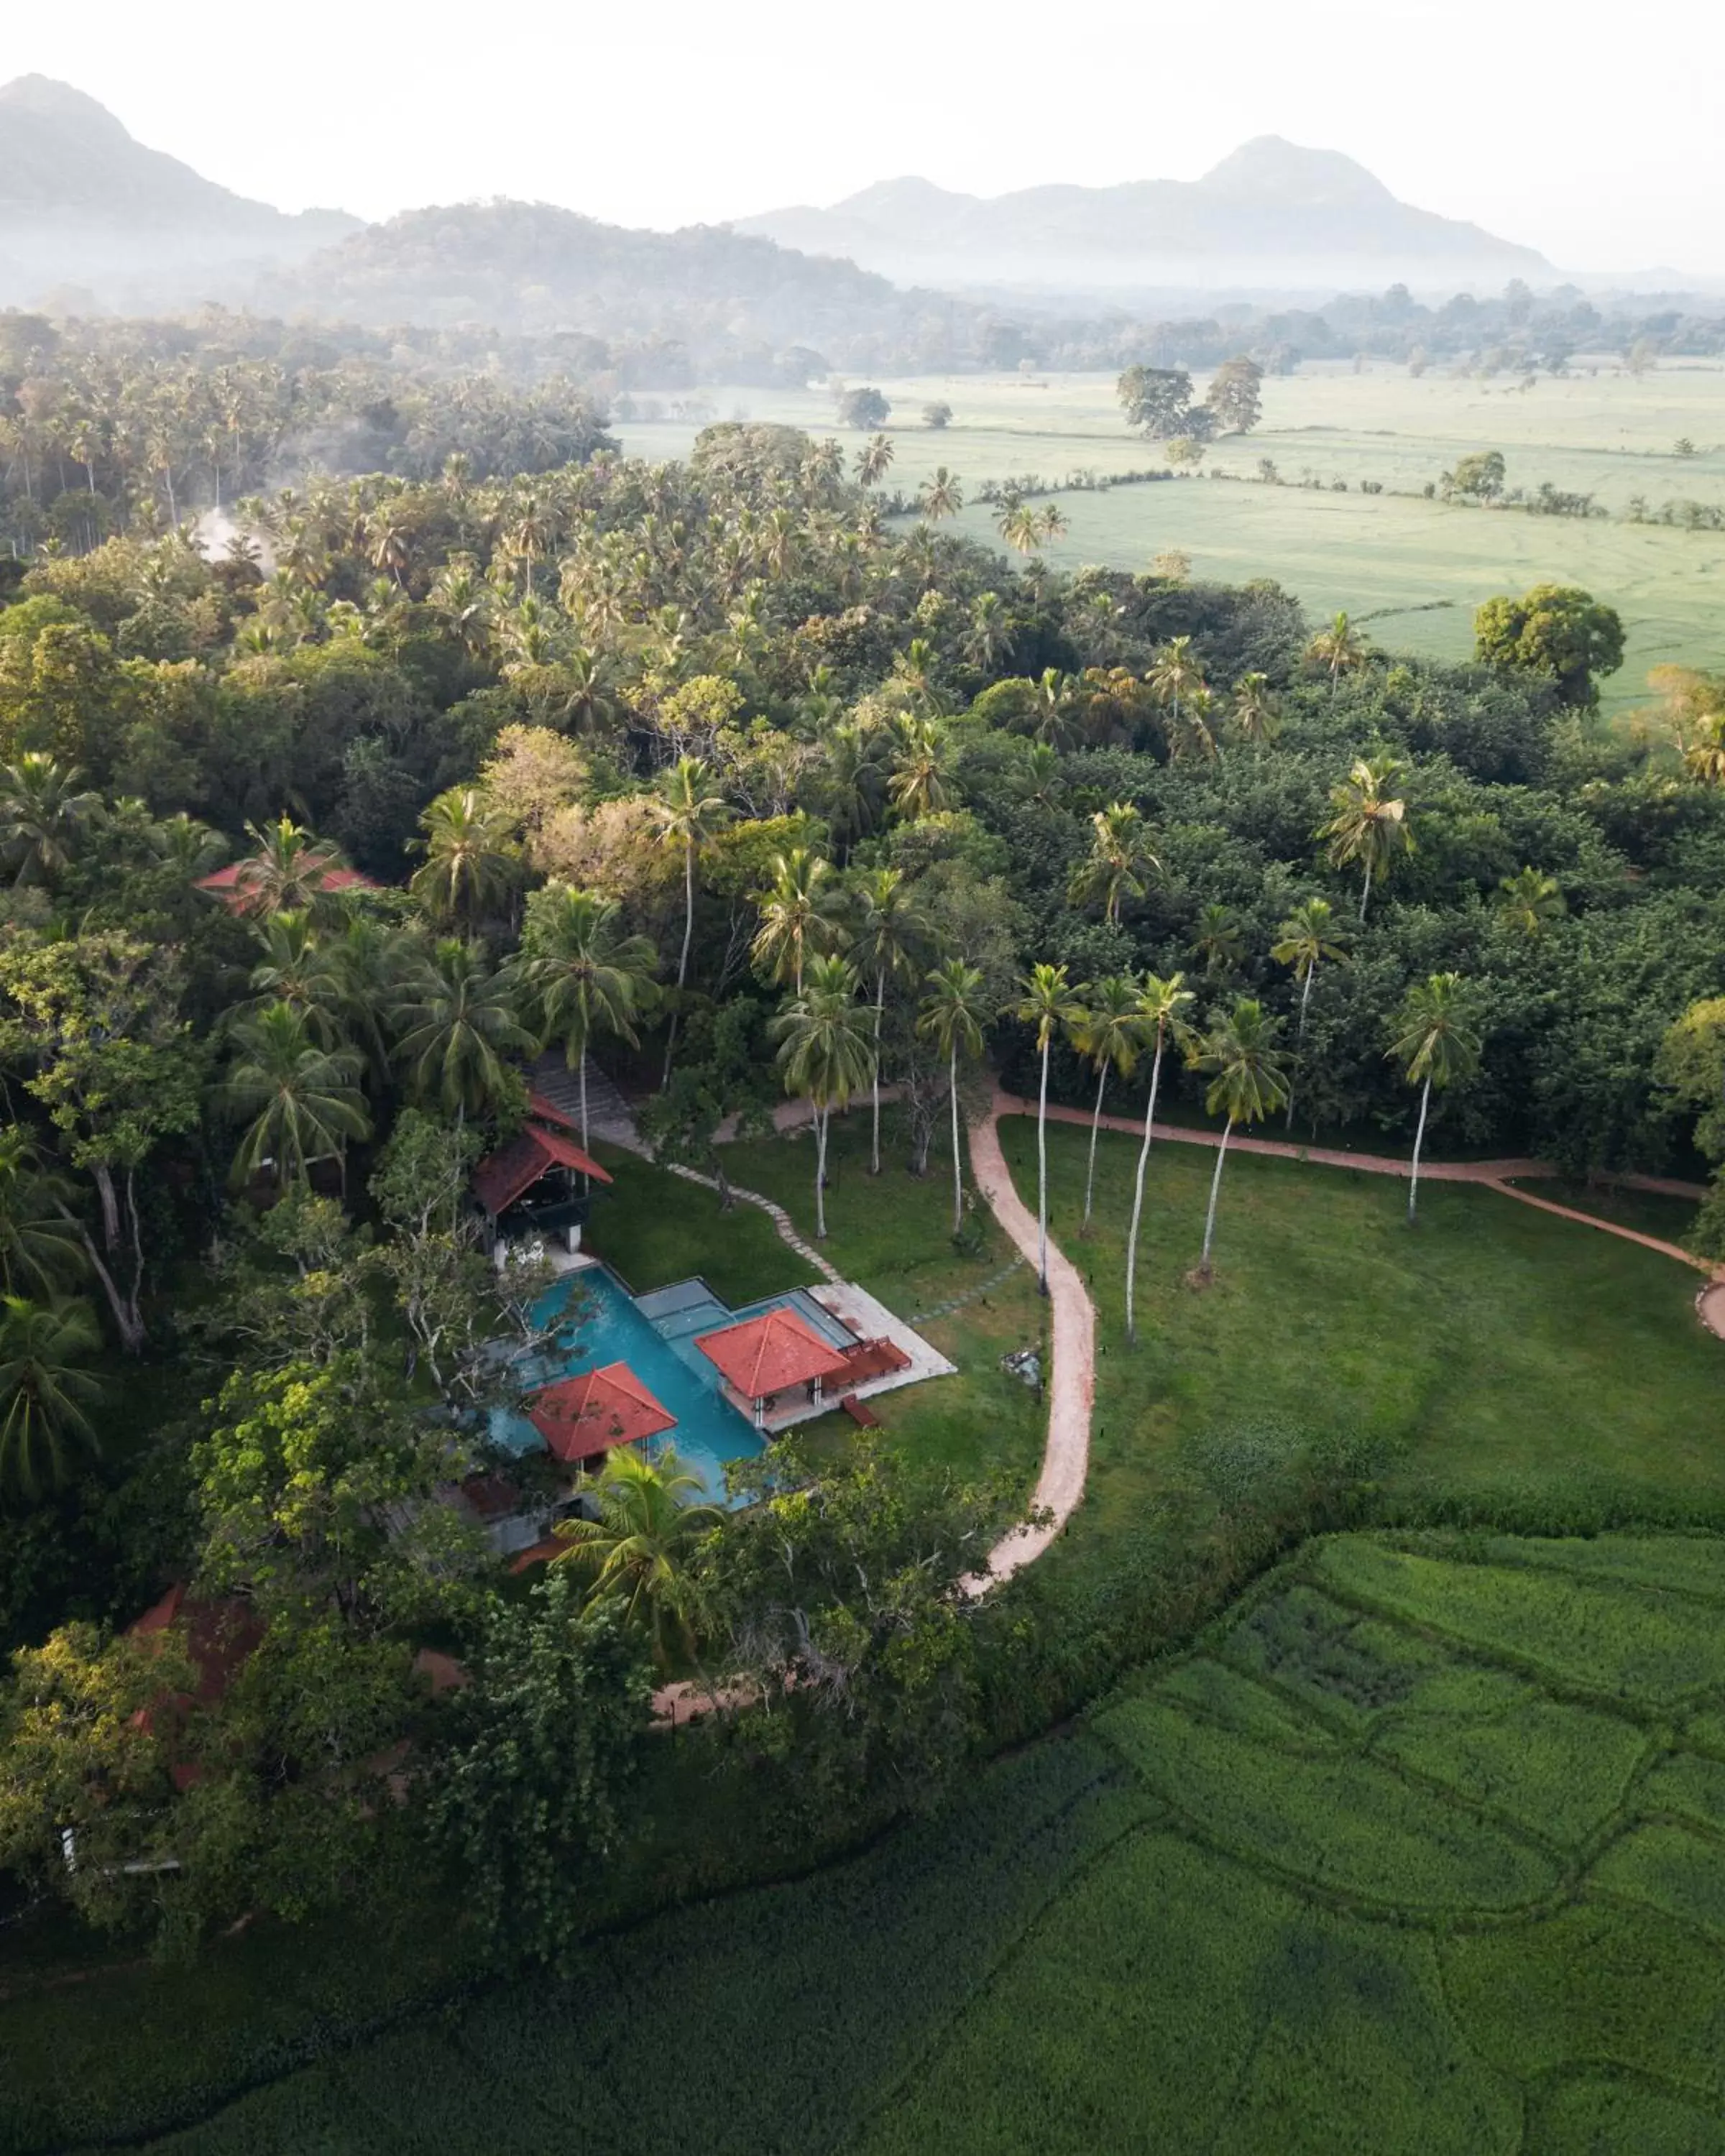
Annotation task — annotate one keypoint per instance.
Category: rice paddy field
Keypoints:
(1419, 1849)
(1415, 568)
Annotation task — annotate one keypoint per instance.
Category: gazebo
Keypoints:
(768, 1355)
(586, 1415)
(225, 885)
(531, 1181)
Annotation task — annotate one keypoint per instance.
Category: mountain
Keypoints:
(82, 204)
(523, 266)
(1272, 216)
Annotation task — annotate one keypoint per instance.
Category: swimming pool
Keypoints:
(606, 1325)
(680, 1313)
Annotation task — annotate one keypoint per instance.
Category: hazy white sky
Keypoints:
(1585, 128)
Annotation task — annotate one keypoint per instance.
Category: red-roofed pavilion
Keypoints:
(769, 1354)
(587, 1414)
(225, 885)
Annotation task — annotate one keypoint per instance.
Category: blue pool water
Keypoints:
(606, 1325)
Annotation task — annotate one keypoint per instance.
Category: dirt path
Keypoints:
(1072, 1379)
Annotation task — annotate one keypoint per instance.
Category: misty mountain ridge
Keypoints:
(1272, 215)
(83, 203)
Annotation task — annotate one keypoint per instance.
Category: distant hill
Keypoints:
(529, 266)
(1271, 216)
(83, 204)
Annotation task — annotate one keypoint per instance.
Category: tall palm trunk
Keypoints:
(1419, 1141)
(1096, 1124)
(1042, 1172)
(1300, 1036)
(1209, 1224)
(1365, 889)
(670, 1039)
(1132, 1241)
(957, 1156)
(880, 1014)
(583, 1097)
(821, 1172)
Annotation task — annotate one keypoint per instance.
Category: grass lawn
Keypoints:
(1493, 1346)
(653, 1228)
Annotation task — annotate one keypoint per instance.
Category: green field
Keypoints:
(1417, 567)
(1418, 1850)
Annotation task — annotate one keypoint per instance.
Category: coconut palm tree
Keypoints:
(44, 810)
(918, 786)
(1246, 1085)
(287, 868)
(1369, 823)
(1162, 1005)
(1190, 733)
(456, 1022)
(1175, 672)
(1529, 902)
(690, 810)
(41, 1250)
(304, 1101)
(989, 631)
(799, 915)
(824, 1055)
(1704, 753)
(191, 849)
(45, 1399)
(1120, 861)
(941, 495)
(635, 1555)
(583, 974)
(874, 460)
(471, 858)
(1339, 649)
(952, 1016)
(1255, 717)
(888, 932)
(1218, 938)
(295, 966)
(1436, 1044)
(1309, 934)
(1049, 1001)
(1020, 527)
(1107, 1033)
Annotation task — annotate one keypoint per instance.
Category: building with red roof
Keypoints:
(509, 1179)
(768, 1355)
(225, 884)
(583, 1415)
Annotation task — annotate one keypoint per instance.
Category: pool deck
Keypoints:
(870, 1319)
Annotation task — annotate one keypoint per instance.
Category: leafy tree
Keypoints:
(1691, 1064)
(1556, 631)
(1436, 1043)
(1107, 1035)
(864, 409)
(953, 1014)
(1156, 399)
(937, 415)
(1163, 1004)
(45, 1396)
(584, 974)
(1235, 396)
(1368, 823)
(1049, 1001)
(1479, 476)
(1247, 1083)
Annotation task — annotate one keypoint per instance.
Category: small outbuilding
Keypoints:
(767, 1356)
(584, 1415)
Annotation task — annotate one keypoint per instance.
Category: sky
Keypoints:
(1581, 128)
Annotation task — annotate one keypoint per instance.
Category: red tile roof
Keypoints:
(546, 1110)
(224, 883)
(595, 1409)
(765, 1354)
(504, 1175)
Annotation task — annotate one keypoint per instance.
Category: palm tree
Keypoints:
(44, 1397)
(1120, 861)
(918, 787)
(952, 1016)
(989, 631)
(190, 848)
(824, 1055)
(1340, 649)
(1048, 1002)
(799, 915)
(304, 1101)
(1370, 822)
(457, 1021)
(1107, 1033)
(1529, 902)
(584, 974)
(691, 811)
(296, 967)
(941, 495)
(1190, 733)
(888, 931)
(469, 859)
(1255, 717)
(1054, 522)
(874, 460)
(287, 868)
(1310, 933)
(1704, 755)
(1020, 527)
(652, 1514)
(1161, 1008)
(1435, 1045)
(1217, 938)
(1175, 672)
(41, 1250)
(1054, 703)
(43, 812)
(1247, 1084)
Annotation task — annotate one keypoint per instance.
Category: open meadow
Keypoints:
(1413, 568)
